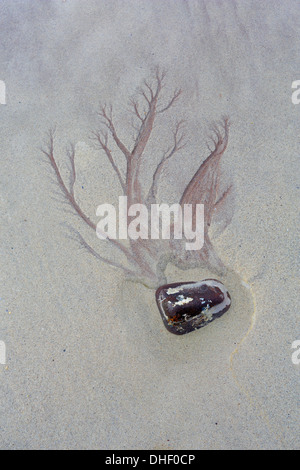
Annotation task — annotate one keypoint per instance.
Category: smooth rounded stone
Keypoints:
(187, 306)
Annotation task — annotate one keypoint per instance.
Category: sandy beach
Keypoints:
(89, 363)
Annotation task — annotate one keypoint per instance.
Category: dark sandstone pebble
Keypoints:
(187, 306)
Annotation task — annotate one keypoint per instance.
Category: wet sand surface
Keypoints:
(89, 362)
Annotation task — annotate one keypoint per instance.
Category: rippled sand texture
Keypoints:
(89, 362)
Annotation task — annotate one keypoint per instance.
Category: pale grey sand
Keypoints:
(89, 363)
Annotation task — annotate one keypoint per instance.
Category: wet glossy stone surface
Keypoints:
(188, 306)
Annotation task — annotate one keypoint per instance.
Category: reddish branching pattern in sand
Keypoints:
(147, 259)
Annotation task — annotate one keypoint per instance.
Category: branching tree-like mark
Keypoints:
(203, 188)
(147, 259)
